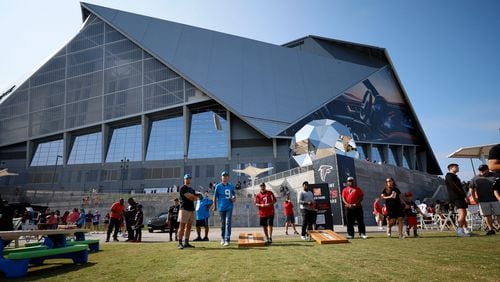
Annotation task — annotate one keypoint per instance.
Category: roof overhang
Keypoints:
(475, 152)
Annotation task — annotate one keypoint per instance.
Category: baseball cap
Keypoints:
(350, 178)
(483, 167)
(224, 173)
(187, 176)
(408, 194)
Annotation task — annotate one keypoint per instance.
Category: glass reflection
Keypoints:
(126, 142)
(166, 141)
(208, 136)
(86, 149)
(46, 153)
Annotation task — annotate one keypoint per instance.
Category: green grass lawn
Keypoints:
(436, 256)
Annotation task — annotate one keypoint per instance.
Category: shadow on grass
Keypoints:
(49, 270)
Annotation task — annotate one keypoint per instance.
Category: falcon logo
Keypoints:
(324, 170)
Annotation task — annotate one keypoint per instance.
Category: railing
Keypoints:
(283, 174)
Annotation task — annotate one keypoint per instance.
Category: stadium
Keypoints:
(131, 103)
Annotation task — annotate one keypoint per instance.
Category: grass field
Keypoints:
(435, 257)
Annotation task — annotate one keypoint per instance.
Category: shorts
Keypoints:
(202, 222)
(95, 223)
(186, 217)
(460, 203)
(489, 208)
(411, 220)
(394, 213)
(290, 219)
(267, 220)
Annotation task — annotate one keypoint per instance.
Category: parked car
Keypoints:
(158, 222)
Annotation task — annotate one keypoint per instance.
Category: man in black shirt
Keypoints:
(482, 184)
(173, 223)
(186, 213)
(494, 166)
(457, 197)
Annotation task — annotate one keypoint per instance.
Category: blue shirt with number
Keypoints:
(202, 208)
(224, 195)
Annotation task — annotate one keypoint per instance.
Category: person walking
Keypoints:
(352, 196)
(224, 198)
(395, 204)
(172, 219)
(139, 219)
(458, 198)
(482, 186)
(377, 212)
(289, 216)
(203, 206)
(307, 210)
(116, 212)
(186, 212)
(265, 201)
(130, 218)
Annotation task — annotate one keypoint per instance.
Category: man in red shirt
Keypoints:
(117, 210)
(289, 215)
(352, 197)
(265, 201)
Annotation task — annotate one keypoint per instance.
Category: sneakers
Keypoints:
(197, 239)
(222, 241)
(269, 241)
(295, 233)
(226, 244)
(205, 239)
(303, 238)
(187, 245)
(286, 232)
(116, 240)
(402, 236)
(363, 236)
(461, 232)
(467, 232)
(389, 234)
(349, 237)
(490, 232)
(180, 247)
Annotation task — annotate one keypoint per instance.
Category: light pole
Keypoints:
(124, 167)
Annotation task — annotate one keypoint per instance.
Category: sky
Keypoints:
(446, 53)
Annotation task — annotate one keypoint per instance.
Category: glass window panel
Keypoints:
(376, 155)
(166, 141)
(121, 53)
(85, 62)
(53, 70)
(92, 35)
(86, 149)
(208, 136)
(126, 143)
(48, 153)
(112, 35)
(123, 77)
(392, 159)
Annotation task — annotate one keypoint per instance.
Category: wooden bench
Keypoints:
(92, 243)
(15, 264)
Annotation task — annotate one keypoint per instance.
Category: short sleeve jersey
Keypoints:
(186, 204)
(116, 210)
(224, 194)
(288, 208)
(352, 195)
(392, 203)
(484, 187)
(202, 208)
(412, 210)
(265, 198)
(173, 212)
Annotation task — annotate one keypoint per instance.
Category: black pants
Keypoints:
(308, 218)
(174, 226)
(353, 215)
(138, 234)
(113, 223)
(130, 229)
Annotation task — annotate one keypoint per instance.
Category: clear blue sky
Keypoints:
(446, 53)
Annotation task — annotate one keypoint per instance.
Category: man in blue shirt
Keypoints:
(224, 197)
(203, 206)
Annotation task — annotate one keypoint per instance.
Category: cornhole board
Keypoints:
(327, 237)
(248, 240)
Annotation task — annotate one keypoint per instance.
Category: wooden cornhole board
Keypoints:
(327, 237)
(247, 240)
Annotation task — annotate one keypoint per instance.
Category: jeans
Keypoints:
(113, 223)
(308, 219)
(225, 224)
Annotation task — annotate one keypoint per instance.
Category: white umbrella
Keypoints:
(252, 172)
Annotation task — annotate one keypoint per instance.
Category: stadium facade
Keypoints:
(133, 102)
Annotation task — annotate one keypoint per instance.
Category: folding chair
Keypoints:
(447, 221)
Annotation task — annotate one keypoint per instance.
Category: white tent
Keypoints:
(252, 172)
(4, 172)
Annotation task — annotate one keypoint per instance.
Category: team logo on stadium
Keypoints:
(324, 170)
